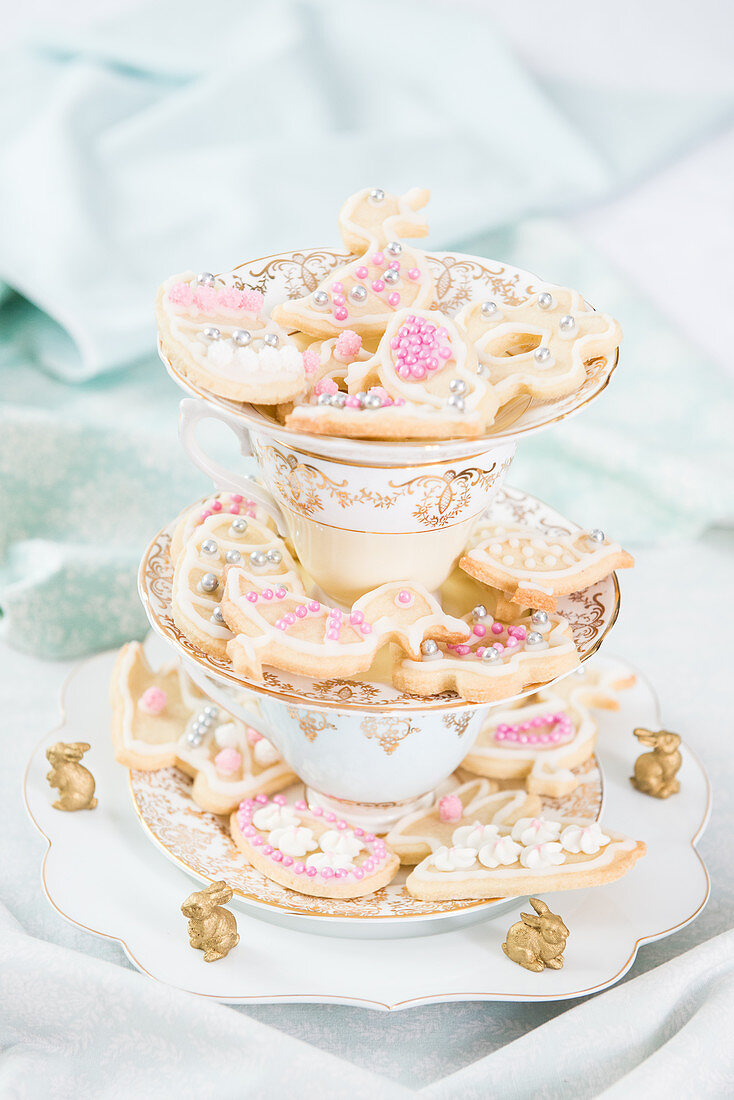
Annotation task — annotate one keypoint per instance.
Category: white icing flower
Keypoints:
(583, 838)
(342, 841)
(293, 840)
(502, 850)
(220, 353)
(454, 859)
(473, 836)
(539, 857)
(274, 816)
(535, 830)
(227, 736)
(265, 754)
(334, 860)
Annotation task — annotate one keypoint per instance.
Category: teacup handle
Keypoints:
(191, 412)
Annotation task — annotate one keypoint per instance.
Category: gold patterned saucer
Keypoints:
(591, 613)
(200, 844)
(460, 278)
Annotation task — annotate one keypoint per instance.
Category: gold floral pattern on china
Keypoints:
(388, 730)
(312, 722)
(439, 498)
(457, 722)
(591, 614)
(200, 843)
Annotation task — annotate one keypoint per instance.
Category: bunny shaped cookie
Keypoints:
(537, 942)
(212, 929)
(74, 782)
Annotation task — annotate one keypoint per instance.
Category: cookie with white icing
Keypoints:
(290, 631)
(540, 347)
(211, 330)
(219, 540)
(533, 567)
(230, 504)
(543, 738)
(537, 855)
(312, 852)
(422, 383)
(365, 293)
(468, 815)
(161, 719)
(500, 659)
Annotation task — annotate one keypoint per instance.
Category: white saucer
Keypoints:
(102, 873)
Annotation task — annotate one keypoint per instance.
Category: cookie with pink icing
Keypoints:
(469, 815)
(542, 346)
(311, 851)
(213, 331)
(219, 540)
(541, 739)
(288, 630)
(535, 855)
(501, 658)
(386, 275)
(160, 719)
(533, 567)
(421, 383)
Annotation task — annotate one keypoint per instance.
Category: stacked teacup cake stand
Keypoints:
(359, 514)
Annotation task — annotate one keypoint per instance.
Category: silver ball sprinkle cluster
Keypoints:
(210, 547)
(596, 535)
(479, 612)
(542, 354)
(233, 557)
(238, 525)
(539, 618)
(394, 248)
(205, 278)
(533, 638)
(377, 194)
(242, 337)
(490, 654)
(489, 309)
(429, 648)
(211, 332)
(209, 583)
(217, 616)
(567, 323)
(545, 300)
(202, 725)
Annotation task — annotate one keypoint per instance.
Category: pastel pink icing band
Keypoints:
(555, 729)
(208, 299)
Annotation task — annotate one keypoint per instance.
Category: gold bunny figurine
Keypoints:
(537, 941)
(212, 929)
(655, 771)
(73, 781)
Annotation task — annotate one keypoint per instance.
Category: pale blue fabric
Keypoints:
(195, 135)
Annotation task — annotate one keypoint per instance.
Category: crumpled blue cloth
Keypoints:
(193, 136)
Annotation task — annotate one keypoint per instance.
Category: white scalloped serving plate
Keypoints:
(102, 873)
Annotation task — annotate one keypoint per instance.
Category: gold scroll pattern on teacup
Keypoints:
(438, 498)
(458, 723)
(389, 731)
(311, 722)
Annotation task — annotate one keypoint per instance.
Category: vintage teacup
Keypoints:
(356, 523)
(373, 763)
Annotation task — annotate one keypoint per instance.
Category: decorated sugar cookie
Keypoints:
(542, 738)
(365, 293)
(161, 719)
(421, 382)
(499, 660)
(533, 568)
(540, 854)
(211, 330)
(541, 346)
(468, 816)
(230, 504)
(219, 540)
(288, 630)
(313, 852)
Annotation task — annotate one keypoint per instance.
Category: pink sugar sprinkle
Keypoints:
(340, 313)
(358, 832)
(330, 816)
(299, 868)
(378, 259)
(497, 628)
(277, 855)
(314, 605)
(262, 799)
(463, 650)
(325, 385)
(257, 842)
(229, 298)
(301, 805)
(267, 849)
(366, 628)
(251, 301)
(362, 272)
(317, 811)
(348, 344)
(287, 861)
(181, 294)
(253, 736)
(311, 361)
(279, 800)
(205, 298)
(352, 402)
(310, 871)
(378, 286)
(480, 630)
(153, 700)
(394, 299)
(327, 872)
(216, 506)
(358, 872)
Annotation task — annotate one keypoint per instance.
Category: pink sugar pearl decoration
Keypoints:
(362, 272)
(340, 313)
(228, 761)
(450, 808)
(378, 286)
(419, 348)
(153, 700)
